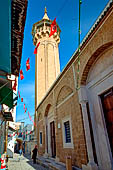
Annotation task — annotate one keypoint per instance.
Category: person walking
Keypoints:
(34, 154)
(20, 151)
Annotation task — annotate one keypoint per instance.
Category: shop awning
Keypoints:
(11, 129)
(5, 36)
(7, 96)
(19, 140)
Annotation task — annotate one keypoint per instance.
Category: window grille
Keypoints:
(67, 132)
(40, 137)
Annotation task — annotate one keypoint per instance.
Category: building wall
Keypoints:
(63, 101)
(59, 105)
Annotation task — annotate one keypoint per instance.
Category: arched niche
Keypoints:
(64, 92)
(96, 57)
(47, 110)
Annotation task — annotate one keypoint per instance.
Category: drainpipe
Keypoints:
(6, 136)
(1, 143)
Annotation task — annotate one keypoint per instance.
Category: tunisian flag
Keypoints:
(35, 51)
(21, 75)
(24, 106)
(53, 28)
(29, 116)
(27, 64)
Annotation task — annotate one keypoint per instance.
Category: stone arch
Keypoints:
(50, 44)
(39, 116)
(64, 92)
(47, 110)
(92, 60)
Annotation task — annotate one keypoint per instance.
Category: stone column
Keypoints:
(46, 137)
(83, 100)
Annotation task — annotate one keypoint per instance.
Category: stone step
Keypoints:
(50, 164)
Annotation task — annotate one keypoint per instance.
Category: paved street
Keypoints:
(22, 163)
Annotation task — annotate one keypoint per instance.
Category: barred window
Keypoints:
(40, 137)
(67, 132)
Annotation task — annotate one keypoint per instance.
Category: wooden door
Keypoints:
(107, 103)
(53, 142)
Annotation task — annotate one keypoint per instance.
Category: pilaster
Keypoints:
(83, 101)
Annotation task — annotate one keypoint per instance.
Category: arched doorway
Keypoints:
(50, 141)
(98, 81)
(107, 105)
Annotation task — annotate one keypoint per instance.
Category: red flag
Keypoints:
(21, 75)
(35, 51)
(27, 64)
(33, 123)
(15, 84)
(24, 106)
(19, 94)
(21, 99)
(3, 166)
(25, 110)
(53, 28)
(29, 116)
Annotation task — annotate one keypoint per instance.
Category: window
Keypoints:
(41, 138)
(67, 132)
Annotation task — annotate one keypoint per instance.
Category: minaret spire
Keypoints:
(45, 14)
(45, 10)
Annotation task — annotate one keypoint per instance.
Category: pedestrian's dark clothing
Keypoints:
(34, 155)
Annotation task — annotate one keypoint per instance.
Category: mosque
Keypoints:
(76, 122)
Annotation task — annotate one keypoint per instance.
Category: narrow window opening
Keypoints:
(41, 138)
(67, 132)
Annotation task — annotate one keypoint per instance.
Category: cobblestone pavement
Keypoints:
(22, 163)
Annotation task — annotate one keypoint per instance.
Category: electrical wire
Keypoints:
(61, 8)
(24, 118)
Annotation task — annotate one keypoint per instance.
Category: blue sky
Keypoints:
(66, 12)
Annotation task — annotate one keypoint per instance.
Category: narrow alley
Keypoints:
(23, 163)
(56, 85)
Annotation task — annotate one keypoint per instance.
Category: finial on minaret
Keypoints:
(45, 10)
(45, 15)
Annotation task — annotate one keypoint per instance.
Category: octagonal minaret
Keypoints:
(47, 66)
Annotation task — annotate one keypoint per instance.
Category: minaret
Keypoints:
(47, 65)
